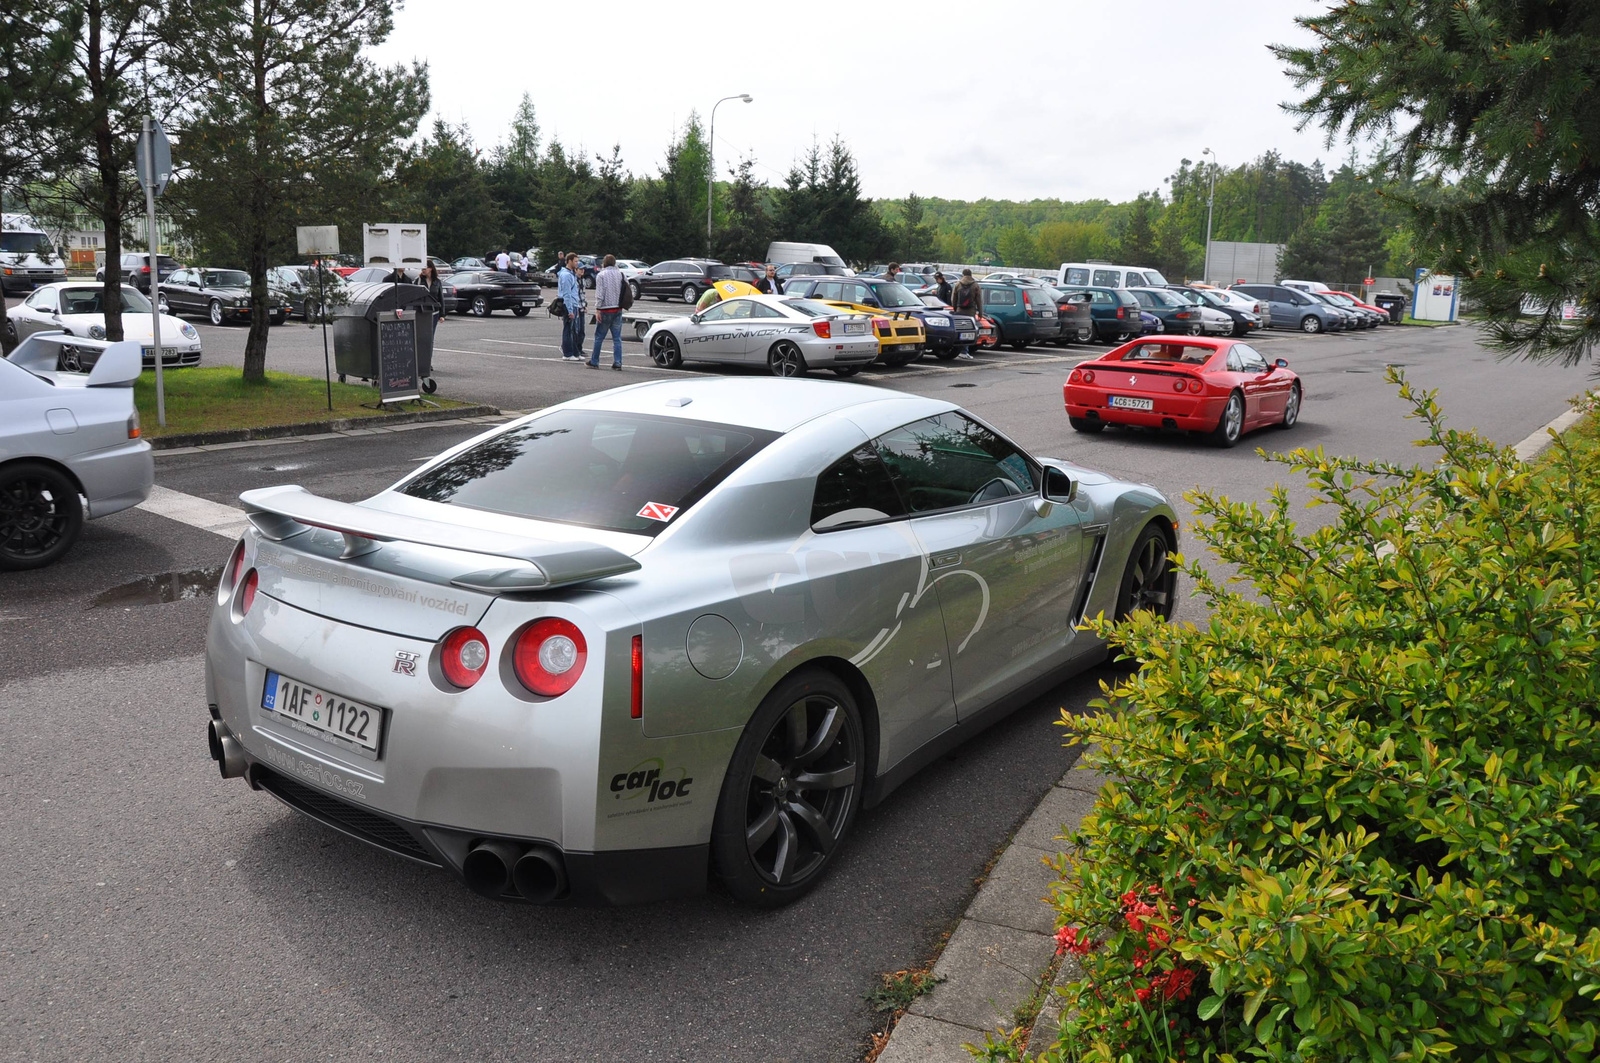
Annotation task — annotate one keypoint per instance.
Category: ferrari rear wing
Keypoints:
(280, 513)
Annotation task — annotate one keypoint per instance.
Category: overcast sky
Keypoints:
(1015, 100)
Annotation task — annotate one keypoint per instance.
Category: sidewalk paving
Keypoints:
(1003, 945)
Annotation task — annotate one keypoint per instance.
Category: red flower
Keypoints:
(1143, 995)
(1179, 984)
(1072, 939)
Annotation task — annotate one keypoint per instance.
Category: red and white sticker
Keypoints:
(657, 511)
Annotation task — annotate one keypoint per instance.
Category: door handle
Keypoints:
(944, 560)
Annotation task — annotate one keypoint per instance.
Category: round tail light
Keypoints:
(247, 594)
(1195, 386)
(549, 655)
(463, 655)
(1088, 376)
(1177, 385)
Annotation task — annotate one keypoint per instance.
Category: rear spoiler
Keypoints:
(280, 513)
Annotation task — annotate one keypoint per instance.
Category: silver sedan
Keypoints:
(66, 435)
(683, 628)
(787, 336)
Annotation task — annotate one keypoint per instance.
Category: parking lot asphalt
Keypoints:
(154, 911)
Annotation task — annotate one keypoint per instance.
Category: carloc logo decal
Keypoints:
(645, 781)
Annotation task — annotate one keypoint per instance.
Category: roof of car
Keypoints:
(774, 404)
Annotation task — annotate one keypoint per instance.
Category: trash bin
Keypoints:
(1394, 303)
(355, 329)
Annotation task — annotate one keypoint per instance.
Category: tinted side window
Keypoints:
(1134, 278)
(1077, 276)
(999, 297)
(854, 490)
(1250, 358)
(828, 290)
(856, 293)
(951, 460)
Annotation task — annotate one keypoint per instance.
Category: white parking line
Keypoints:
(214, 517)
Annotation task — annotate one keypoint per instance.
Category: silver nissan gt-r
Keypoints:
(682, 627)
(788, 336)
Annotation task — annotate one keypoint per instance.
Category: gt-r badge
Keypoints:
(405, 662)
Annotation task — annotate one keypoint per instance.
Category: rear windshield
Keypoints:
(1169, 352)
(617, 472)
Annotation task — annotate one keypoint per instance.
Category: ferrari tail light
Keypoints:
(549, 656)
(1088, 375)
(636, 699)
(823, 329)
(1177, 385)
(247, 594)
(1195, 386)
(463, 656)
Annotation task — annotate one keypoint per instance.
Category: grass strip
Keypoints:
(216, 398)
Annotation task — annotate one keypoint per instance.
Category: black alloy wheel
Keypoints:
(40, 515)
(1150, 582)
(214, 312)
(791, 792)
(664, 350)
(480, 306)
(785, 359)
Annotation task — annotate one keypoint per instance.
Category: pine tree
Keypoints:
(443, 185)
(1138, 245)
(1489, 104)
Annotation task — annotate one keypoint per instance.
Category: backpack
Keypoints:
(625, 297)
(558, 308)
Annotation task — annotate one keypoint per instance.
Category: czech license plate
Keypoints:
(1127, 402)
(530, 302)
(855, 328)
(325, 715)
(968, 335)
(168, 354)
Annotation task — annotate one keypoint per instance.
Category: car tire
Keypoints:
(1086, 335)
(846, 371)
(1150, 580)
(774, 836)
(1230, 425)
(278, 319)
(1195, 330)
(691, 294)
(1019, 345)
(1291, 408)
(520, 311)
(633, 288)
(947, 354)
(480, 306)
(640, 328)
(214, 312)
(785, 359)
(1311, 324)
(40, 515)
(162, 305)
(311, 312)
(664, 350)
(1086, 425)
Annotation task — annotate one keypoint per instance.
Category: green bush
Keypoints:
(1356, 815)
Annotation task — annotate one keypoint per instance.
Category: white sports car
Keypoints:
(788, 336)
(77, 309)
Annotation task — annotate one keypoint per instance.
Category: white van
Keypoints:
(803, 259)
(1307, 286)
(1106, 275)
(27, 257)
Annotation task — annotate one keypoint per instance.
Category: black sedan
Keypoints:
(482, 293)
(220, 295)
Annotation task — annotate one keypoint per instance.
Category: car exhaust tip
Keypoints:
(540, 875)
(487, 868)
(226, 750)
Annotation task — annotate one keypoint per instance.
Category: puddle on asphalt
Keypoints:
(156, 590)
(963, 385)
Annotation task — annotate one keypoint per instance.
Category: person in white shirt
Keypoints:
(502, 262)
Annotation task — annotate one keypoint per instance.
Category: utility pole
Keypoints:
(711, 159)
(1211, 202)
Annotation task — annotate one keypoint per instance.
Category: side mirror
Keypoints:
(870, 301)
(1058, 486)
(1281, 364)
(694, 319)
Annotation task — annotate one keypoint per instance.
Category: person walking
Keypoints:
(608, 312)
(430, 277)
(770, 284)
(893, 272)
(502, 262)
(570, 292)
(945, 292)
(967, 299)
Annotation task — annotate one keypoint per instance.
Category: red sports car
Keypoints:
(1221, 387)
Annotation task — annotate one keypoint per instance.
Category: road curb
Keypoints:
(1001, 949)
(191, 442)
(1534, 444)
(336, 425)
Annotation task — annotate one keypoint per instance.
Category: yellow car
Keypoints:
(901, 336)
(724, 289)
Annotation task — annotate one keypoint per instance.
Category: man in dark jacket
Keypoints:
(967, 299)
(770, 284)
(945, 292)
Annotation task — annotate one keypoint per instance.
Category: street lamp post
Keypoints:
(711, 158)
(1211, 202)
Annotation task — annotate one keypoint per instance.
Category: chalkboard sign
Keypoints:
(397, 357)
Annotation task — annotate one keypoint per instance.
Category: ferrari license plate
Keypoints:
(855, 328)
(325, 715)
(1128, 402)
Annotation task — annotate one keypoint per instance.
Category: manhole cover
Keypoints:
(156, 590)
(963, 385)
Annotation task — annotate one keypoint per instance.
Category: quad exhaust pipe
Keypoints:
(226, 750)
(498, 869)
